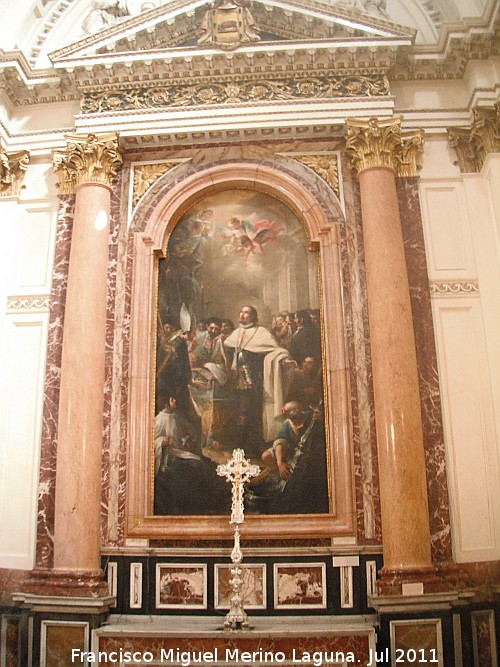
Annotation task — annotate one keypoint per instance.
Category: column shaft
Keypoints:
(78, 477)
(405, 518)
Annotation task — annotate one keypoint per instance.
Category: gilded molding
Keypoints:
(28, 303)
(147, 174)
(455, 288)
(381, 143)
(474, 144)
(325, 166)
(88, 159)
(13, 167)
(236, 91)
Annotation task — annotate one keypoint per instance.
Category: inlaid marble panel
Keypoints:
(300, 586)
(484, 639)
(417, 641)
(181, 586)
(59, 640)
(253, 587)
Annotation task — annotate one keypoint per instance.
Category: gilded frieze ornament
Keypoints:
(325, 166)
(475, 144)
(236, 91)
(381, 143)
(147, 174)
(88, 159)
(12, 170)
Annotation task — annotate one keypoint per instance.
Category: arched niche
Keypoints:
(320, 220)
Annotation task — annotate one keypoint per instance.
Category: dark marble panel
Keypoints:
(9, 637)
(48, 453)
(432, 421)
(367, 489)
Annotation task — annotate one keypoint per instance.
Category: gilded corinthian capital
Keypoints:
(88, 159)
(474, 144)
(12, 169)
(381, 143)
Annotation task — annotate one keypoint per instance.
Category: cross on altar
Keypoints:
(237, 470)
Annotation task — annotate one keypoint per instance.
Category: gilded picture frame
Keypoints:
(150, 247)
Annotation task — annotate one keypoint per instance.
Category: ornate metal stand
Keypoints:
(237, 470)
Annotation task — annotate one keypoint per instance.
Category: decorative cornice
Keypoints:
(28, 303)
(88, 159)
(325, 166)
(148, 173)
(455, 288)
(158, 50)
(381, 143)
(12, 170)
(235, 91)
(474, 144)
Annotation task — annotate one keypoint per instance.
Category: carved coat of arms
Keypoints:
(227, 24)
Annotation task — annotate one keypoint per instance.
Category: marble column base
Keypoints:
(66, 583)
(439, 578)
(429, 602)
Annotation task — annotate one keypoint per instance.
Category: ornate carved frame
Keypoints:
(323, 233)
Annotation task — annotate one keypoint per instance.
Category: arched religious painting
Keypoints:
(239, 361)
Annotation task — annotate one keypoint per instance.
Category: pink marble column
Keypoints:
(78, 474)
(87, 167)
(377, 150)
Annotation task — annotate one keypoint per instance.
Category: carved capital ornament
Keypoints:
(474, 144)
(12, 170)
(88, 159)
(381, 143)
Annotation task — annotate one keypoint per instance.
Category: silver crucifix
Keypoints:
(237, 470)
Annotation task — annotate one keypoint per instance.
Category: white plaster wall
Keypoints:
(26, 256)
(461, 228)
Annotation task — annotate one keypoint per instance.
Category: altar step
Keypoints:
(188, 641)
